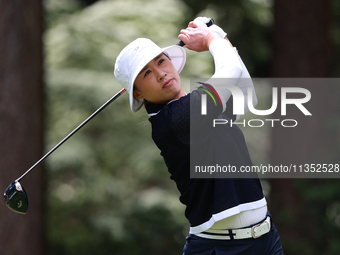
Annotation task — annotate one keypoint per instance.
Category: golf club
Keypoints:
(15, 195)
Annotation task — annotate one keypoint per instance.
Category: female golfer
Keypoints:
(226, 215)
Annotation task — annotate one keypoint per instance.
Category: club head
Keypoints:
(16, 198)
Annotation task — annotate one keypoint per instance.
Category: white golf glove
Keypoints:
(204, 20)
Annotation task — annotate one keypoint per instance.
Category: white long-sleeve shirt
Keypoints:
(230, 68)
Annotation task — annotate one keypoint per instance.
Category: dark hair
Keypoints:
(166, 54)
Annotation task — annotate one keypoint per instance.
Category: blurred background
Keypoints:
(107, 190)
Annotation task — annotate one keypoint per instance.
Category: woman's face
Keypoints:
(158, 82)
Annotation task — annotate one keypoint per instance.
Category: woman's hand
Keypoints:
(197, 37)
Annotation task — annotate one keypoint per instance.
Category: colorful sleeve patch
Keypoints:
(213, 90)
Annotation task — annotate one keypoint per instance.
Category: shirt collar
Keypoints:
(154, 109)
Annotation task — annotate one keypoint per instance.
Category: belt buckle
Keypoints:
(253, 233)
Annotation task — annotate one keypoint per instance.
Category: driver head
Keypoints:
(16, 198)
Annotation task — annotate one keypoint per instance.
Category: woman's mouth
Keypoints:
(168, 83)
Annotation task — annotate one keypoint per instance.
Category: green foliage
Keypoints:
(248, 24)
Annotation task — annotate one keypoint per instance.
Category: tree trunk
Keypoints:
(301, 38)
(301, 49)
(21, 122)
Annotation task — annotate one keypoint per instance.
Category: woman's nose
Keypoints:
(161, 74)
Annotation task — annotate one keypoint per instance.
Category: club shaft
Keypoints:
(72, 133)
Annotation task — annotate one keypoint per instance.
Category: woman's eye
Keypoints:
(147, 72)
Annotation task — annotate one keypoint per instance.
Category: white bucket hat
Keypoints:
(135, 56)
